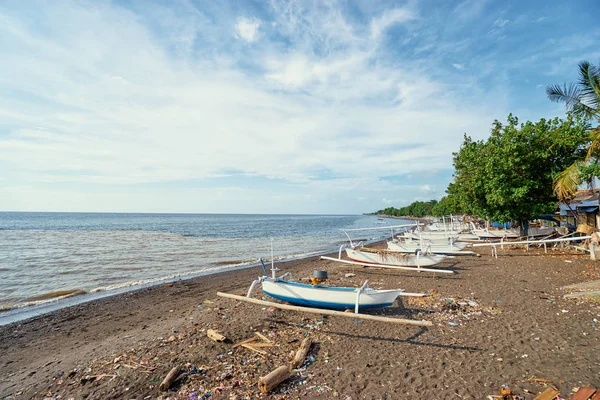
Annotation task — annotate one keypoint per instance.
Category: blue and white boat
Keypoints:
(321, 296)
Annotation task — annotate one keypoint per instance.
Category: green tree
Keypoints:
(447, 205)
(583, 100)
(417, 209)
(509, 176)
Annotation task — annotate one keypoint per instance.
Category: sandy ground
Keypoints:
(497, 321)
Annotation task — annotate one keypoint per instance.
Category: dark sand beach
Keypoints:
(516, 328)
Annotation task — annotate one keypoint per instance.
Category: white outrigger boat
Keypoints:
(512, 233)
(413, 246)
(317, 295)
(439, 237)
(387, 257)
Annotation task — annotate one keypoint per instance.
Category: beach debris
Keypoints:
(548, 394)
(263, 337)
(350, 275)
(254, 349)
(216, 336)
(170, 378)
(274, 378)
(585, 393)
(505, 393)
(537, 380)
(301, 353)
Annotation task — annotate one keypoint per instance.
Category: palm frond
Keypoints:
(584, 73)
(568, 181)
(568, 94)
(589, 86)
(594, 149)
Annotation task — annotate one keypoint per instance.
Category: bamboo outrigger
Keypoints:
(326, 312)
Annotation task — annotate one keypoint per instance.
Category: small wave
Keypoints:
(43, 298)
(235, 262)
(79, 271)
(125, 268)
(58, 293)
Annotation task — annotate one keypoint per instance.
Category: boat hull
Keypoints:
(411, 247)
(384, 257)
(337, 298)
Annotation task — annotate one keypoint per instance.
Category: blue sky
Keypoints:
(266, 106)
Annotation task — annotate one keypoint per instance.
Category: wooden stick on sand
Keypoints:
(326, 312)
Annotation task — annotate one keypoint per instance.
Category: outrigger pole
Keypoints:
(502, 243)
(414, 269)
(326, 312)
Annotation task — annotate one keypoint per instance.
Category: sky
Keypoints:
(339, 107)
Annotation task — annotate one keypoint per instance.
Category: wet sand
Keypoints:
(497, 321)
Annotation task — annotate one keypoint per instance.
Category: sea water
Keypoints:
(49, 260)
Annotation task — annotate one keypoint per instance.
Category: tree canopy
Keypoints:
(448, 205)
(417, 209)
(509, 176)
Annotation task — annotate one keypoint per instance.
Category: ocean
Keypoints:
(52, 260)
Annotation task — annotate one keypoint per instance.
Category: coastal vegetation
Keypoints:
(509, 176)
(582, 99)
(417, 209)
(524, 169)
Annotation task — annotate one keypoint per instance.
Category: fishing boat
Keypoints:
(512, 233)
(412, 246)
(439, 237)
(386, 257)
(322, 296)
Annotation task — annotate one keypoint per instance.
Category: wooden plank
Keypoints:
(249, 347)
(245, 341)
(548, 394)
(326, 312)
(596, 396)
(583, 393)
(263, 337)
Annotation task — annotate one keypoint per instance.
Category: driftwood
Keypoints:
(301, 353)
(262, 337)
(216, 336)
(168, 381)
(245, 341)
(267, 383)
(326, 312)
(250, 347)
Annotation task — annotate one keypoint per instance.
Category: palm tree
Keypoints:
(582, 99)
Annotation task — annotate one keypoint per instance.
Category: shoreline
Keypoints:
(513, 333)
(14, 313)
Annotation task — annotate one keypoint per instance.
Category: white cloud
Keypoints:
(247, 29)
(427, 189)
(500, 22)
(389, 18)
(459, 67)
(106, 102)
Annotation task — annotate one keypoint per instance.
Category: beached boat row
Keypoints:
(414, 249)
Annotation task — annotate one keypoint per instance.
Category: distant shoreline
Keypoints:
(408, 217)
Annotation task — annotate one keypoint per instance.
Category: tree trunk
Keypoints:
(523, 227)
